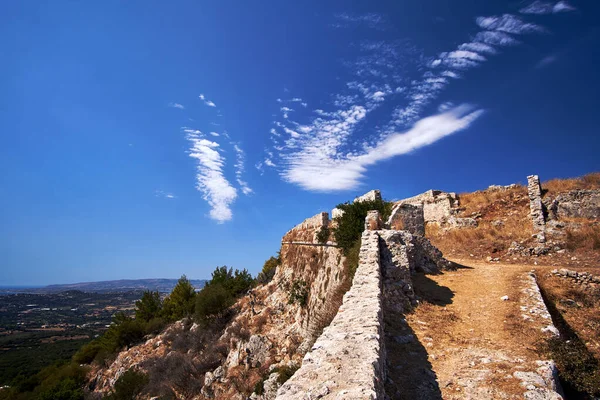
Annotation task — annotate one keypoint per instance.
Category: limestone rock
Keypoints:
(373, 221)
(578, 204)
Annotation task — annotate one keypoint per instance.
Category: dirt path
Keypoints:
(465, 342)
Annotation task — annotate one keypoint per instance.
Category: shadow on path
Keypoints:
(410, 374)
(426, 289)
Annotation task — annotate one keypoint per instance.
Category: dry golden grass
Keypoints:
(477, 201)
(503, 217)
(585, 238)
(589, 181)
(584, 315)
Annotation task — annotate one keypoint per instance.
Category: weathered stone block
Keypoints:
(408, 217)
(369, 196)
(373, 221)
(437, 205)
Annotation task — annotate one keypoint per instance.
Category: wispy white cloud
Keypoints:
(177, 105)
(206, 101)
(320, 167)
(214, 134)
(542, 7)
(163, 194)
(332, 147)
(210, 180)
(544, 62)
(508, 23)
(286, 111)
(371, 20)
(239, 169)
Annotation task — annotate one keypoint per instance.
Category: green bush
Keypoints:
(235, 282)
(259, 388)
(180, 303)
(129, 385)
(285, 373)
(352, 223)
(149, 306)
(323, 235)
(61, 383)
(298, 292)
(212, 301)
(268, 271)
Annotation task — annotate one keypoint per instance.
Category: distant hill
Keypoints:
(122, 285)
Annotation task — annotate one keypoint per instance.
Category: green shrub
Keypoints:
(63, 382)
(235, 282)
(268, 271)
(149, 306)
(352, 223)
(259, 388)
(298, 292)
(129, 385)
(88, 352)
(285, 373)
(323, 235)
(180, 303)
(352, 259)
(213, 300)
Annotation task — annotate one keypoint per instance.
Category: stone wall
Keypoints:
(369, 196)
(347, 360)
(536, 207)
(438, 206)
(307, 231)
(408, 217)
(585, 279)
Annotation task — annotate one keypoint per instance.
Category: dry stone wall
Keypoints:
(347, 360)
(438, 206)
(369, 196)
(536, 207)
(408, 217)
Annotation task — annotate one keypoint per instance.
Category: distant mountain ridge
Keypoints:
(121, 285)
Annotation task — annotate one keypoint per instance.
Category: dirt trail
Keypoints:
(464, 341)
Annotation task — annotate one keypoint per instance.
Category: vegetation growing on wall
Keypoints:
(323, 235)
(352, 223)
(298, 292)
(350, 226)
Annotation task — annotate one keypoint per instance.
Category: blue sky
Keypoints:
(151, 139)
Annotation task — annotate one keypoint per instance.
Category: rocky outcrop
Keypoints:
(536, 207)
(577, 204)
(347, 361)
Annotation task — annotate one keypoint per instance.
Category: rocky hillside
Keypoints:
(274, 326)
(263, 342)
(496, 224)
